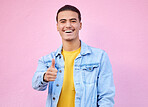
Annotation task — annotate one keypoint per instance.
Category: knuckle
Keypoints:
(48, 69)
(47, 73)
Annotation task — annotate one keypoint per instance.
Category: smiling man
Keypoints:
(76, 75)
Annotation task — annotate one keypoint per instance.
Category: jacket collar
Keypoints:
(85, 49)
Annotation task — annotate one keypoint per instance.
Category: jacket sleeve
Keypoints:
(106, 88)
(37, 80)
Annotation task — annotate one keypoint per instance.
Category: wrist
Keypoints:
(44, 77)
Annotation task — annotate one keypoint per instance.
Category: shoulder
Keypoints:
(48, 57)
(97, 51)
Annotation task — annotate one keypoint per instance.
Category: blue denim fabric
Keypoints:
(93, 78)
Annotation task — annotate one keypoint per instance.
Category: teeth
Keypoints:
(68, 31)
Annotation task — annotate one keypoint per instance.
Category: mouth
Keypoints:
(69, 31)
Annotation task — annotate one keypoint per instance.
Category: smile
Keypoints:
(68, 31)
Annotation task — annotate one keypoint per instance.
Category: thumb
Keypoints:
(53, 63)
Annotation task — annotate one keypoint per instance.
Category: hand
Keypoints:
(51, 73)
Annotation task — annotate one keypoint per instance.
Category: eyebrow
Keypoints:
(73, 19)
(62, 20)
(70, 19)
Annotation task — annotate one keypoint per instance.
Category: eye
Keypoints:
(62, 21)
(73, 20)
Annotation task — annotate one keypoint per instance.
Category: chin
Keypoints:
(69, 40)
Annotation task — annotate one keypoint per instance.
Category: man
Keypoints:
(76, 75)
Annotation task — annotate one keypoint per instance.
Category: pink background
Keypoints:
(28, 31)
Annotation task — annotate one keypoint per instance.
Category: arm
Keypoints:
(37, 80)
(106, 88)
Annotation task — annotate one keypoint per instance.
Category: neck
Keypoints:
(71, 45)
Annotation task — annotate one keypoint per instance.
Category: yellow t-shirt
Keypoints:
(67, 96)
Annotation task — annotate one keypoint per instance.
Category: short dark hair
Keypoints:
(71, 8)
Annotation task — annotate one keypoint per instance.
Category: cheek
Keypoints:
(78, 28)
(61, 27)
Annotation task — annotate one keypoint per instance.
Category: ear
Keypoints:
(80, 25)
(57, 27)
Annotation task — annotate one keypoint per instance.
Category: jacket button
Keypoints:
(57, 85)
(53, 98)
(60, 71)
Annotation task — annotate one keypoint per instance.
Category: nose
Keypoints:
(68, 24)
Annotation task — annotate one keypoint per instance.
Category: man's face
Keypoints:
(68, 25)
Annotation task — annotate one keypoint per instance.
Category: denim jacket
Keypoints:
(93, 78)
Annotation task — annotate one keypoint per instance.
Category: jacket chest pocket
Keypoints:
(89, 73)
